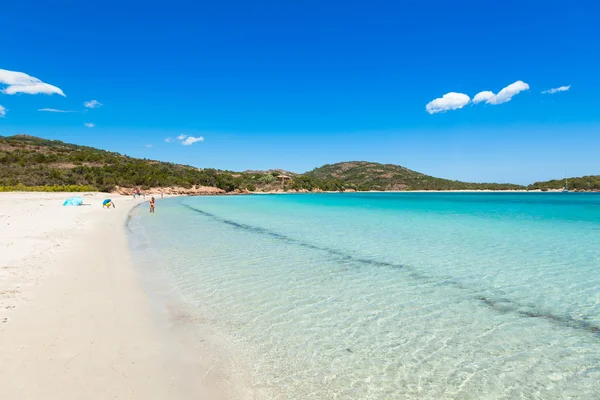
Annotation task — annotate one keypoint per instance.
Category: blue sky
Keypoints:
(297, 84)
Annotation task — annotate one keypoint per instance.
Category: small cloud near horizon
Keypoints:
(449, 101)
(92, 104)
(556, 90)
(54, 110)
(191, 140)
(503, 96)
(2, 112)
(148, 145)
(181, 137)
(89, 124)
(20, 82)
(169, 140)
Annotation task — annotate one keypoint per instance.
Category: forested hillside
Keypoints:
(585, 183)
(373, 176)
(27, 161)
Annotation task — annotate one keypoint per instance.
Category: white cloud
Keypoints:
(556, 90)
(19, 82)
(2, 112)
(148, 145)
(89, 124)
(483, 96)
(503, 96)
(186, 140)
(92, 104)
(191, 140)
(54, 110)
(168, 140)
(449, 101)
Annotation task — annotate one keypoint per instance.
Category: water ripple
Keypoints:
(501, 305)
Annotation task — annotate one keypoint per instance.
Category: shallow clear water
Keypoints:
(407, 295)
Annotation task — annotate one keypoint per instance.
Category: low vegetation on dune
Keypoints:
(35, 164)
(48, 188)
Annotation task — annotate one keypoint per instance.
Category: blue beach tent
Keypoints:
(105, 202)
(73, 201)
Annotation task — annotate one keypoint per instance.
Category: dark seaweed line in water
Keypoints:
(129, 216)
(501, 306)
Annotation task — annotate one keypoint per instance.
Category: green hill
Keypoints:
(363, 175)
(585, 183)
(31, 161)
(27, 161)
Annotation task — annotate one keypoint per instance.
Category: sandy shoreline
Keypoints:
(75, 322)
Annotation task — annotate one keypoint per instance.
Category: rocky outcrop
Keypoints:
(174, 190)
(237, 191)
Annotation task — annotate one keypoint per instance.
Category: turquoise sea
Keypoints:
(393, 295)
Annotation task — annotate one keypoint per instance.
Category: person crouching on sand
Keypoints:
(152, 205)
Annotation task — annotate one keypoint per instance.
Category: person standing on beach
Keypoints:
(152, 205)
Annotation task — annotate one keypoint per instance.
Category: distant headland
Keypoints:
(36, 164)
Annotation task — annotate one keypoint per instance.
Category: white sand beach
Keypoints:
(75, 322)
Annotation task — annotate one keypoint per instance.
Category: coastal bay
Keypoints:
(392, 295)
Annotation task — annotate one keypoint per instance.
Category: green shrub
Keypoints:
(54, 188)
